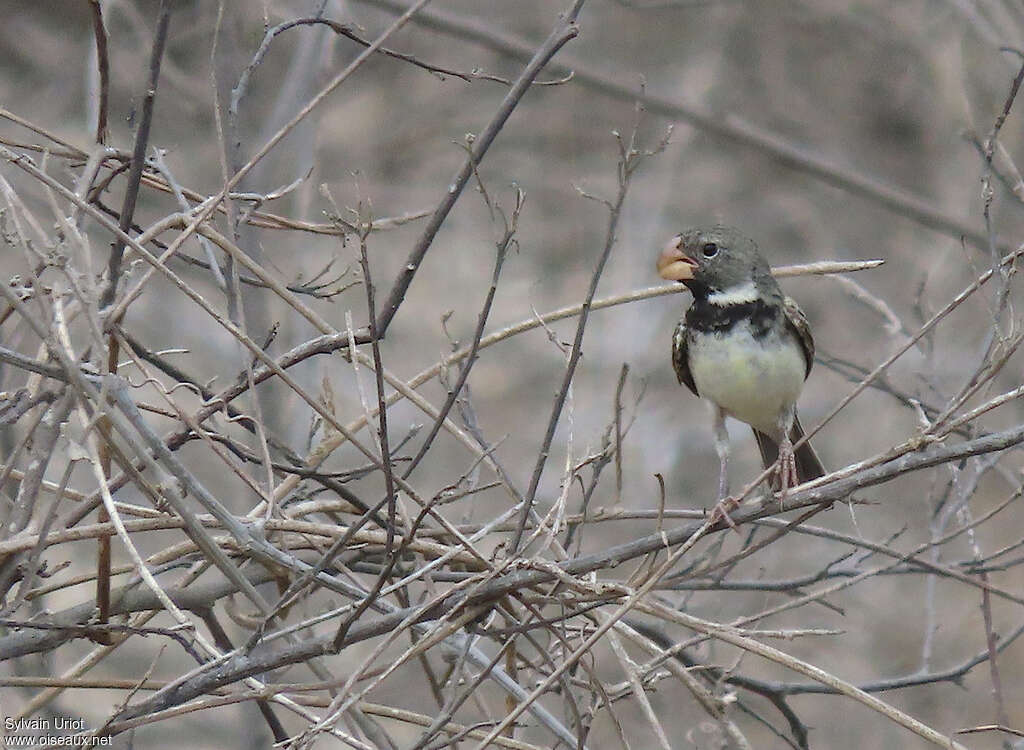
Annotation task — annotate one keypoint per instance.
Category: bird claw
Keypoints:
(785, 471)
(721, 512)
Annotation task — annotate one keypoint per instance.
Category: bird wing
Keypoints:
(798, 324)
(681, 357)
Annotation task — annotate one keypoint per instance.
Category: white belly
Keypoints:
(755, 381)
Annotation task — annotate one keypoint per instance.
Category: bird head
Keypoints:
(713, 260)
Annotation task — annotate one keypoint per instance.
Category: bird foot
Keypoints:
(785, 471)
(721, 512)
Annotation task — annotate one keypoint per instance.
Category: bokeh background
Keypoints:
(890, 94)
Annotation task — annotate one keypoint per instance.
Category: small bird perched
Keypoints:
(744, 346)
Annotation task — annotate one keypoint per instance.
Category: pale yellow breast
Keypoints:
(753, 380)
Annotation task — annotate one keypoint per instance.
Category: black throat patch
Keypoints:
(707, 317)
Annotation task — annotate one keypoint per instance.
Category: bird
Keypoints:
(744, 346)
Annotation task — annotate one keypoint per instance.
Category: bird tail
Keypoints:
(808, 465)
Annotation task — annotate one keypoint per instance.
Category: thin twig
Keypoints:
(562, 34)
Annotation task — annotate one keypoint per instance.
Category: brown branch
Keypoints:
(730, 129)
(131, 193)
(629, 161)
(565, 31)
(268, 657)
(102, 68)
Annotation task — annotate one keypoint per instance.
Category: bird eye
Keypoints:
(710, 249)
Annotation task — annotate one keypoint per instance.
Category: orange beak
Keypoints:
(673, 265)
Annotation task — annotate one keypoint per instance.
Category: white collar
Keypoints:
(735, 295)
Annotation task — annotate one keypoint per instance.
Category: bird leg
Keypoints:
(785, 467)
(725, 503)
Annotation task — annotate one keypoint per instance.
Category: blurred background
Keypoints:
(837, 130)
